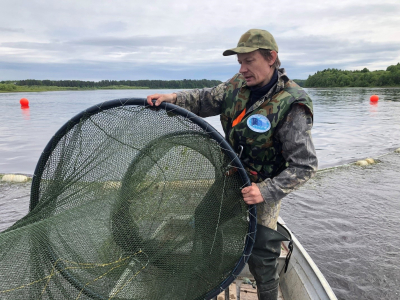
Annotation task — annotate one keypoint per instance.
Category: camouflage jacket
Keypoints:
(254, 135)
(294, 134)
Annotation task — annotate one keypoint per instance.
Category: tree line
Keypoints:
(325, 78)
(151, 84)
(363, 78)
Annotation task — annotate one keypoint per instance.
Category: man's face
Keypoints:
(255, 68)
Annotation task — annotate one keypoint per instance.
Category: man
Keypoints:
(268, 118)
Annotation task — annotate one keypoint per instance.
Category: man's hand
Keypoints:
(171, 98)
(252, 195)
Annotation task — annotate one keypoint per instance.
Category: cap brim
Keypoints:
(239, 50)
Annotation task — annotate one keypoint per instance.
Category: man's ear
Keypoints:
(274, 55)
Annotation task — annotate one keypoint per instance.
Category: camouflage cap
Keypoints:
(252, 40)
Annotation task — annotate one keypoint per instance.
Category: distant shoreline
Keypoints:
(61, 89)
(33, 85)
(328, 78)
(25, 89)
(13, 88)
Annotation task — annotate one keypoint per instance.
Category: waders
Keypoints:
(263, 262)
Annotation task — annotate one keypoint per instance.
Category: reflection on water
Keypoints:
(373, 109)
(26, 113)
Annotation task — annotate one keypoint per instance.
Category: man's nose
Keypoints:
(242, 69)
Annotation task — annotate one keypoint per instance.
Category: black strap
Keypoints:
(283, 230)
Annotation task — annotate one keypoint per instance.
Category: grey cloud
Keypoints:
(363, 9)
(108, 44)
(34, 46)
(301, 56)
(85, 70)
(132, 41)
(204, 41)
(322, 43)
(12, 30)
(328, 49)
(306, 55)
(135, 41)
(117, 26)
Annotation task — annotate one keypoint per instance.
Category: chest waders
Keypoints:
(263, 262)
(262, 158)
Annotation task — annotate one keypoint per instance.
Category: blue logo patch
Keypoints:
(258, 123)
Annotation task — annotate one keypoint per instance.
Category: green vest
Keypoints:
(262, 151)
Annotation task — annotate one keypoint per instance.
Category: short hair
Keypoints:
(267, 55)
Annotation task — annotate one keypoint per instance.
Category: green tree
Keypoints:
(363, 78)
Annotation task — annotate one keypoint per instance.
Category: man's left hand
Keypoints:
(252, 195)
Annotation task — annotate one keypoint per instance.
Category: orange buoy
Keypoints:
(24, 103)
(374, 98)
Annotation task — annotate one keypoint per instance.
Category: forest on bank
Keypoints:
(326, 78)
(363, 78)
(33, 84)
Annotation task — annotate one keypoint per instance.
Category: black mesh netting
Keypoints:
(130, 202)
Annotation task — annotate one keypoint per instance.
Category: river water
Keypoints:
(362, 219)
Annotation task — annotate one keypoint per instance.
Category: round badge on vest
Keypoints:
(259, 123)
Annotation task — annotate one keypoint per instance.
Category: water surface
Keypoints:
(347, 218)
(346, 126)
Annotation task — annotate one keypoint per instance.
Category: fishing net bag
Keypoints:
(130, 201)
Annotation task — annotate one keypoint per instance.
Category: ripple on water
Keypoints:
(14, 202)
(350, 227)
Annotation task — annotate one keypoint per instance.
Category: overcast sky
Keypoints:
(177, 39)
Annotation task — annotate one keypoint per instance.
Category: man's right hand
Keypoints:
(170, 98)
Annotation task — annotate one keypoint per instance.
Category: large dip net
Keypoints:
(130, 202)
